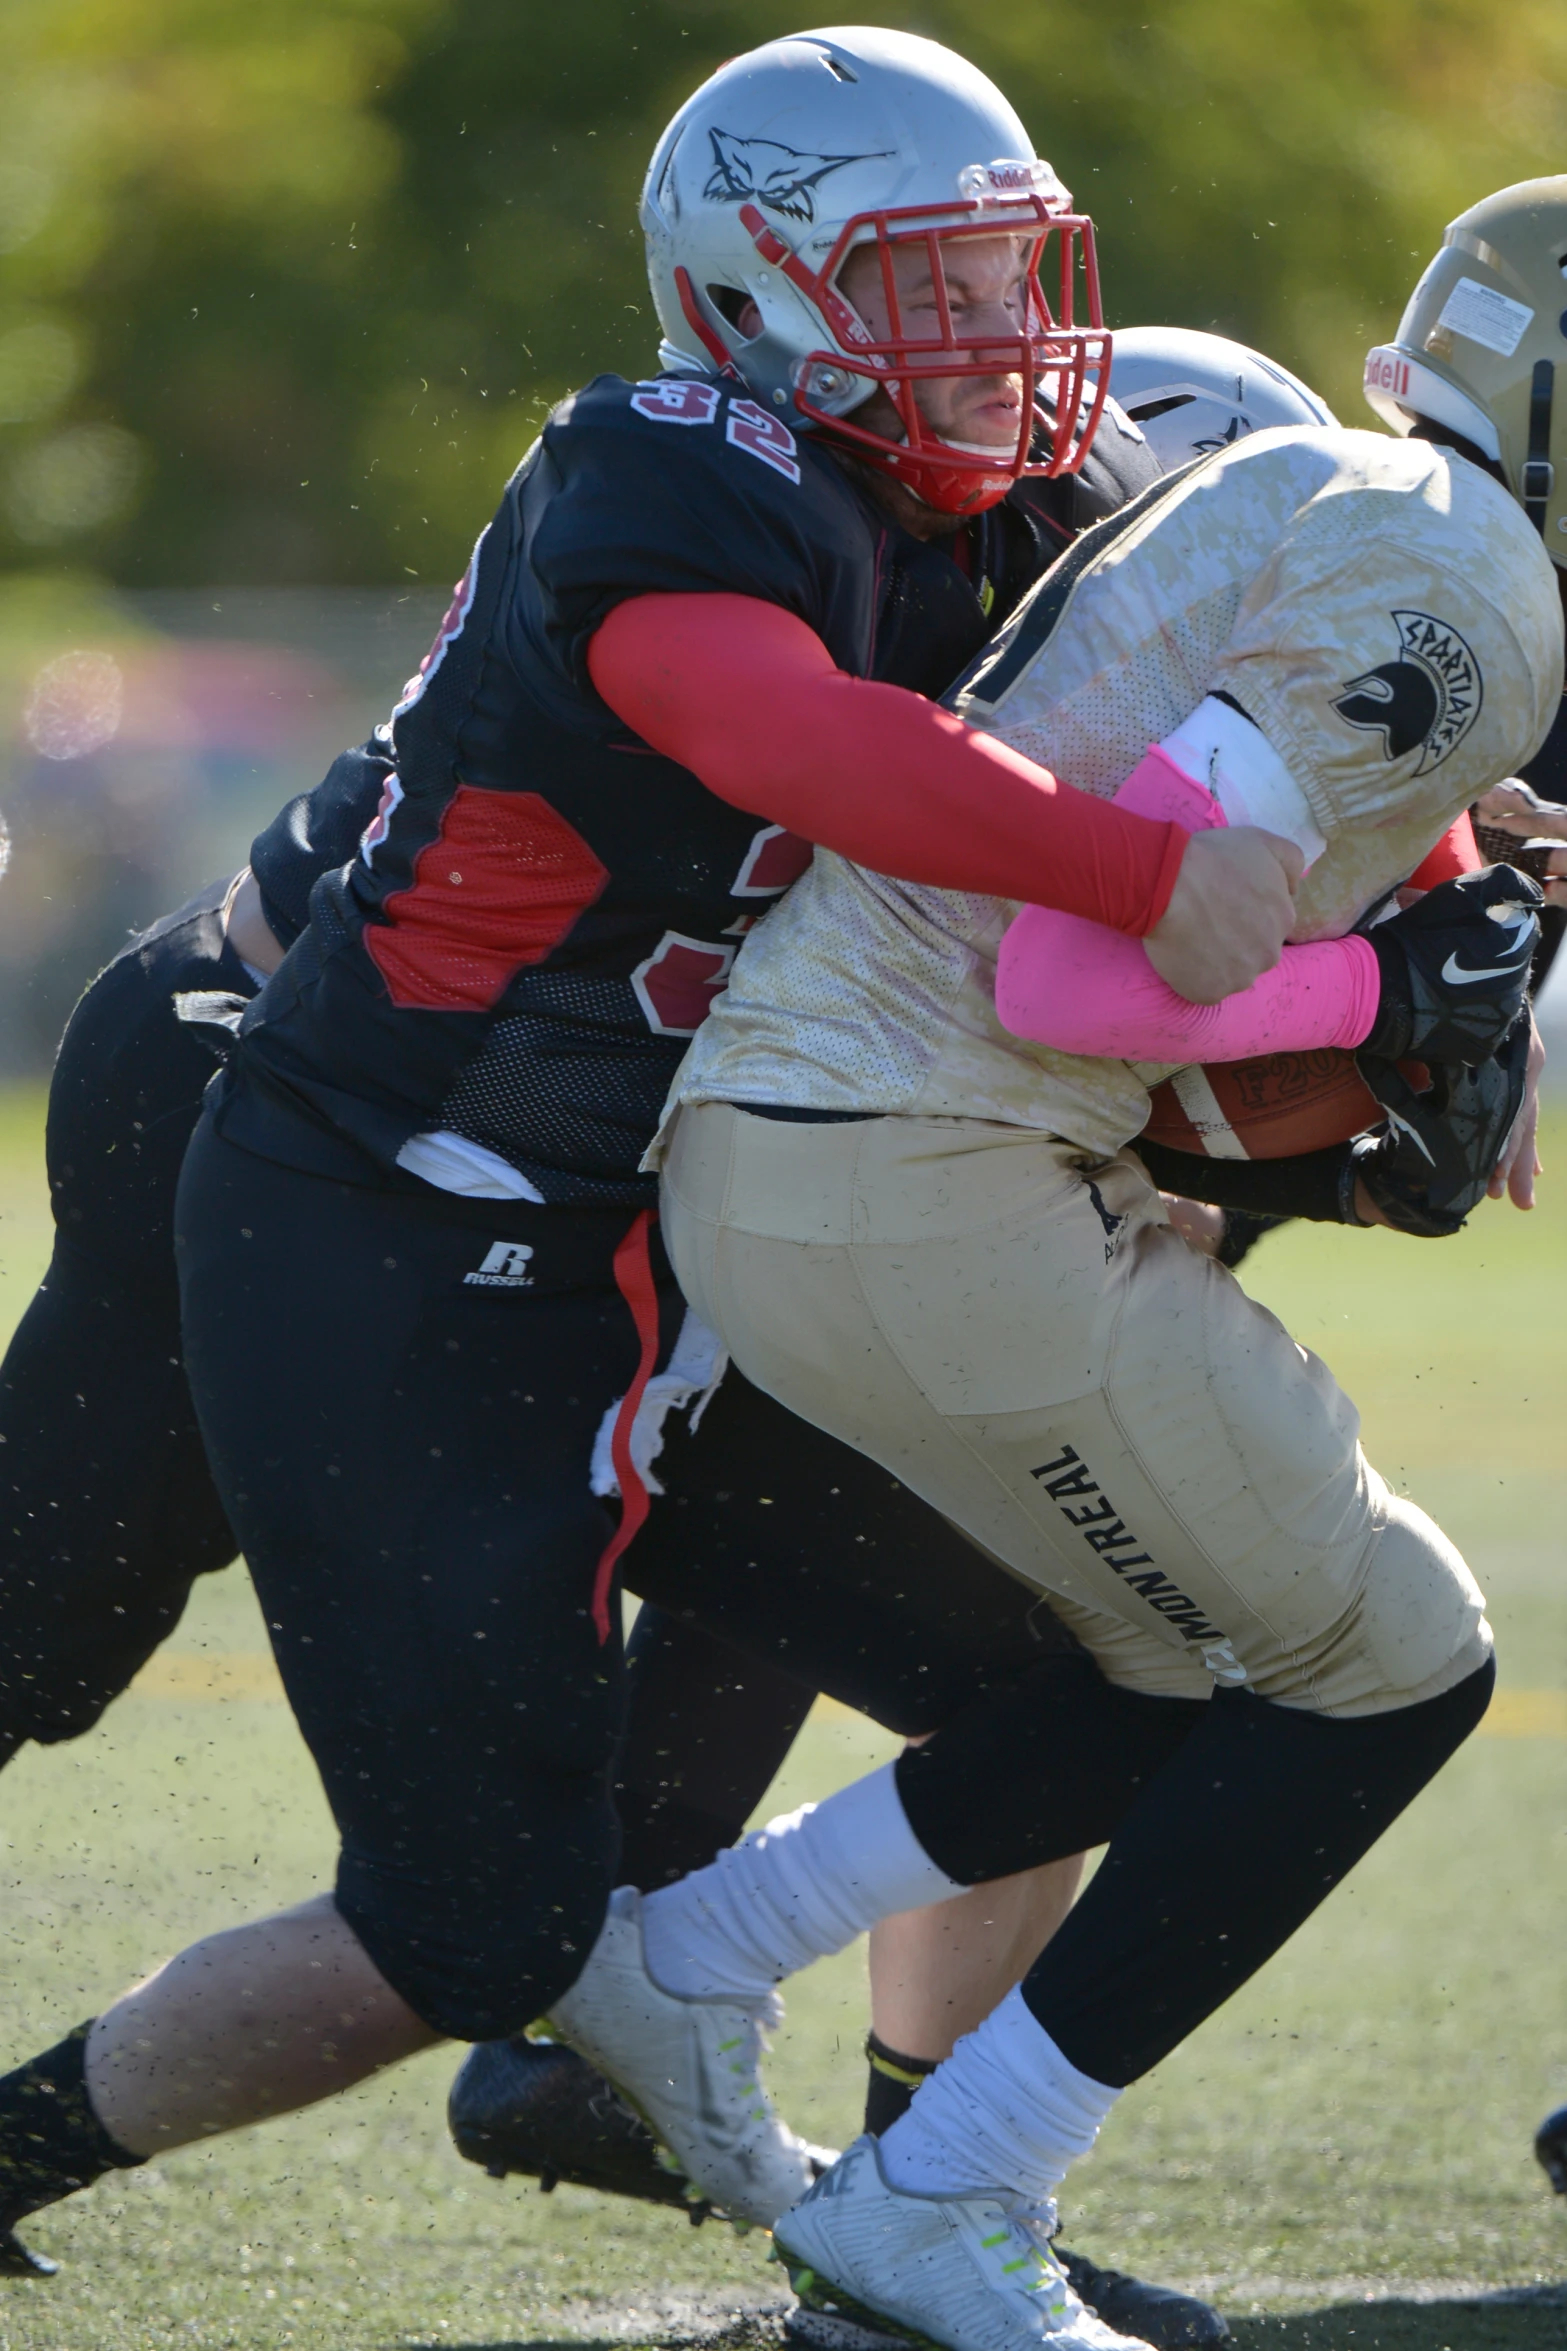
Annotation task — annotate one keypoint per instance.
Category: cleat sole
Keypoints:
(834, 2321)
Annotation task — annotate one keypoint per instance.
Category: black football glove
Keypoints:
(1455, 968)
(1434, 1159)
(1242, 1232)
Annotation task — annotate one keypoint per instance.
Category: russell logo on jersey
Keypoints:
(506, 1266)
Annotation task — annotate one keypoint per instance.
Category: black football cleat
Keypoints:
(1550, 2145)
(1150, 2314)
(537, 2108)
(19, 2261)
(1455, 968)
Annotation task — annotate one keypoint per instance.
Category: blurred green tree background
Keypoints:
(286, 284)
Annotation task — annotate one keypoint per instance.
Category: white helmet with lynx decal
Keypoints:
(1193, 392)
(1481, 345)
(799, 152)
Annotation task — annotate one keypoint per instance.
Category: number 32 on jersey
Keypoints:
(687, 400)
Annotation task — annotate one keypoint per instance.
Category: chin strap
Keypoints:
(1539, 475)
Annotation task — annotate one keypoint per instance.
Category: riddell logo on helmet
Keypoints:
(1386, 372)
(1427, 699)
(1007, 176)
(764, 171)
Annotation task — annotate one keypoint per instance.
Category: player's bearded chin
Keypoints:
(957, 408)
(880, 415)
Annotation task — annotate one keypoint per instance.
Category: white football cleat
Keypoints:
(689, 2067)
(872, 2266)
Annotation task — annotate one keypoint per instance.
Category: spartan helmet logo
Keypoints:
(1426, 700)
(763, 171)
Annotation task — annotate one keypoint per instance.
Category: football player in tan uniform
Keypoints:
(1005, 1290)
(932, 1238)
(1479, 363)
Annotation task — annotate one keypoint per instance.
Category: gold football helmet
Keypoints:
(1482, 347)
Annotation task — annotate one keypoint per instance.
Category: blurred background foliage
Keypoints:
(285, 284)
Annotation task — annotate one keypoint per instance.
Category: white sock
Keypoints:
(803, 1886)
(1006, 2111)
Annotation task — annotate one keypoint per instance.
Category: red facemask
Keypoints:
(1065, 367)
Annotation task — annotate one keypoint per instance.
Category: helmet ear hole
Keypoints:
(731, 304)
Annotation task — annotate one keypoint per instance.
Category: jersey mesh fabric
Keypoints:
(864, 993)
(544, 1090)
(1156, 684)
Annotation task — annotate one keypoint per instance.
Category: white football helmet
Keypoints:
(1193, 392)
(794, 154)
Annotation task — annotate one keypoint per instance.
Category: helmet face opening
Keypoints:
(1063, 367)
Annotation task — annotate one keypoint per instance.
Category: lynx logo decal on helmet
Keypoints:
(1427, 699)
(764, 171)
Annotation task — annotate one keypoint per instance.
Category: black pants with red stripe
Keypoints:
(404, 1454)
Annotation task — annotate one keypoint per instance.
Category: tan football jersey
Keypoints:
(1381, 610)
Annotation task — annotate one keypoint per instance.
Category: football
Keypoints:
(1274, 1107)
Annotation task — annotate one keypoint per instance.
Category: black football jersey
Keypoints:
(1547, 770)
(516, 937)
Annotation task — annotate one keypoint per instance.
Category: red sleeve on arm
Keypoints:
(748, 697)
(1454, 854)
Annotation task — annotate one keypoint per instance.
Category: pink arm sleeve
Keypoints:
(749, 698)
(1081, 988)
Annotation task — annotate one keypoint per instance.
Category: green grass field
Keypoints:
(1341, 2157)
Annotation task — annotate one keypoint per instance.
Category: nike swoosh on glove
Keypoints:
(1455, 969)
(1433, 1161)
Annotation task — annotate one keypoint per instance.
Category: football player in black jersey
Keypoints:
(112, 1511)
(414, 1232)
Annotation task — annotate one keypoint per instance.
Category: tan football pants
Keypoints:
(1021, 1338)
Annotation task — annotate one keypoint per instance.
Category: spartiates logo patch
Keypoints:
(1426, 700)
(764, 171)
